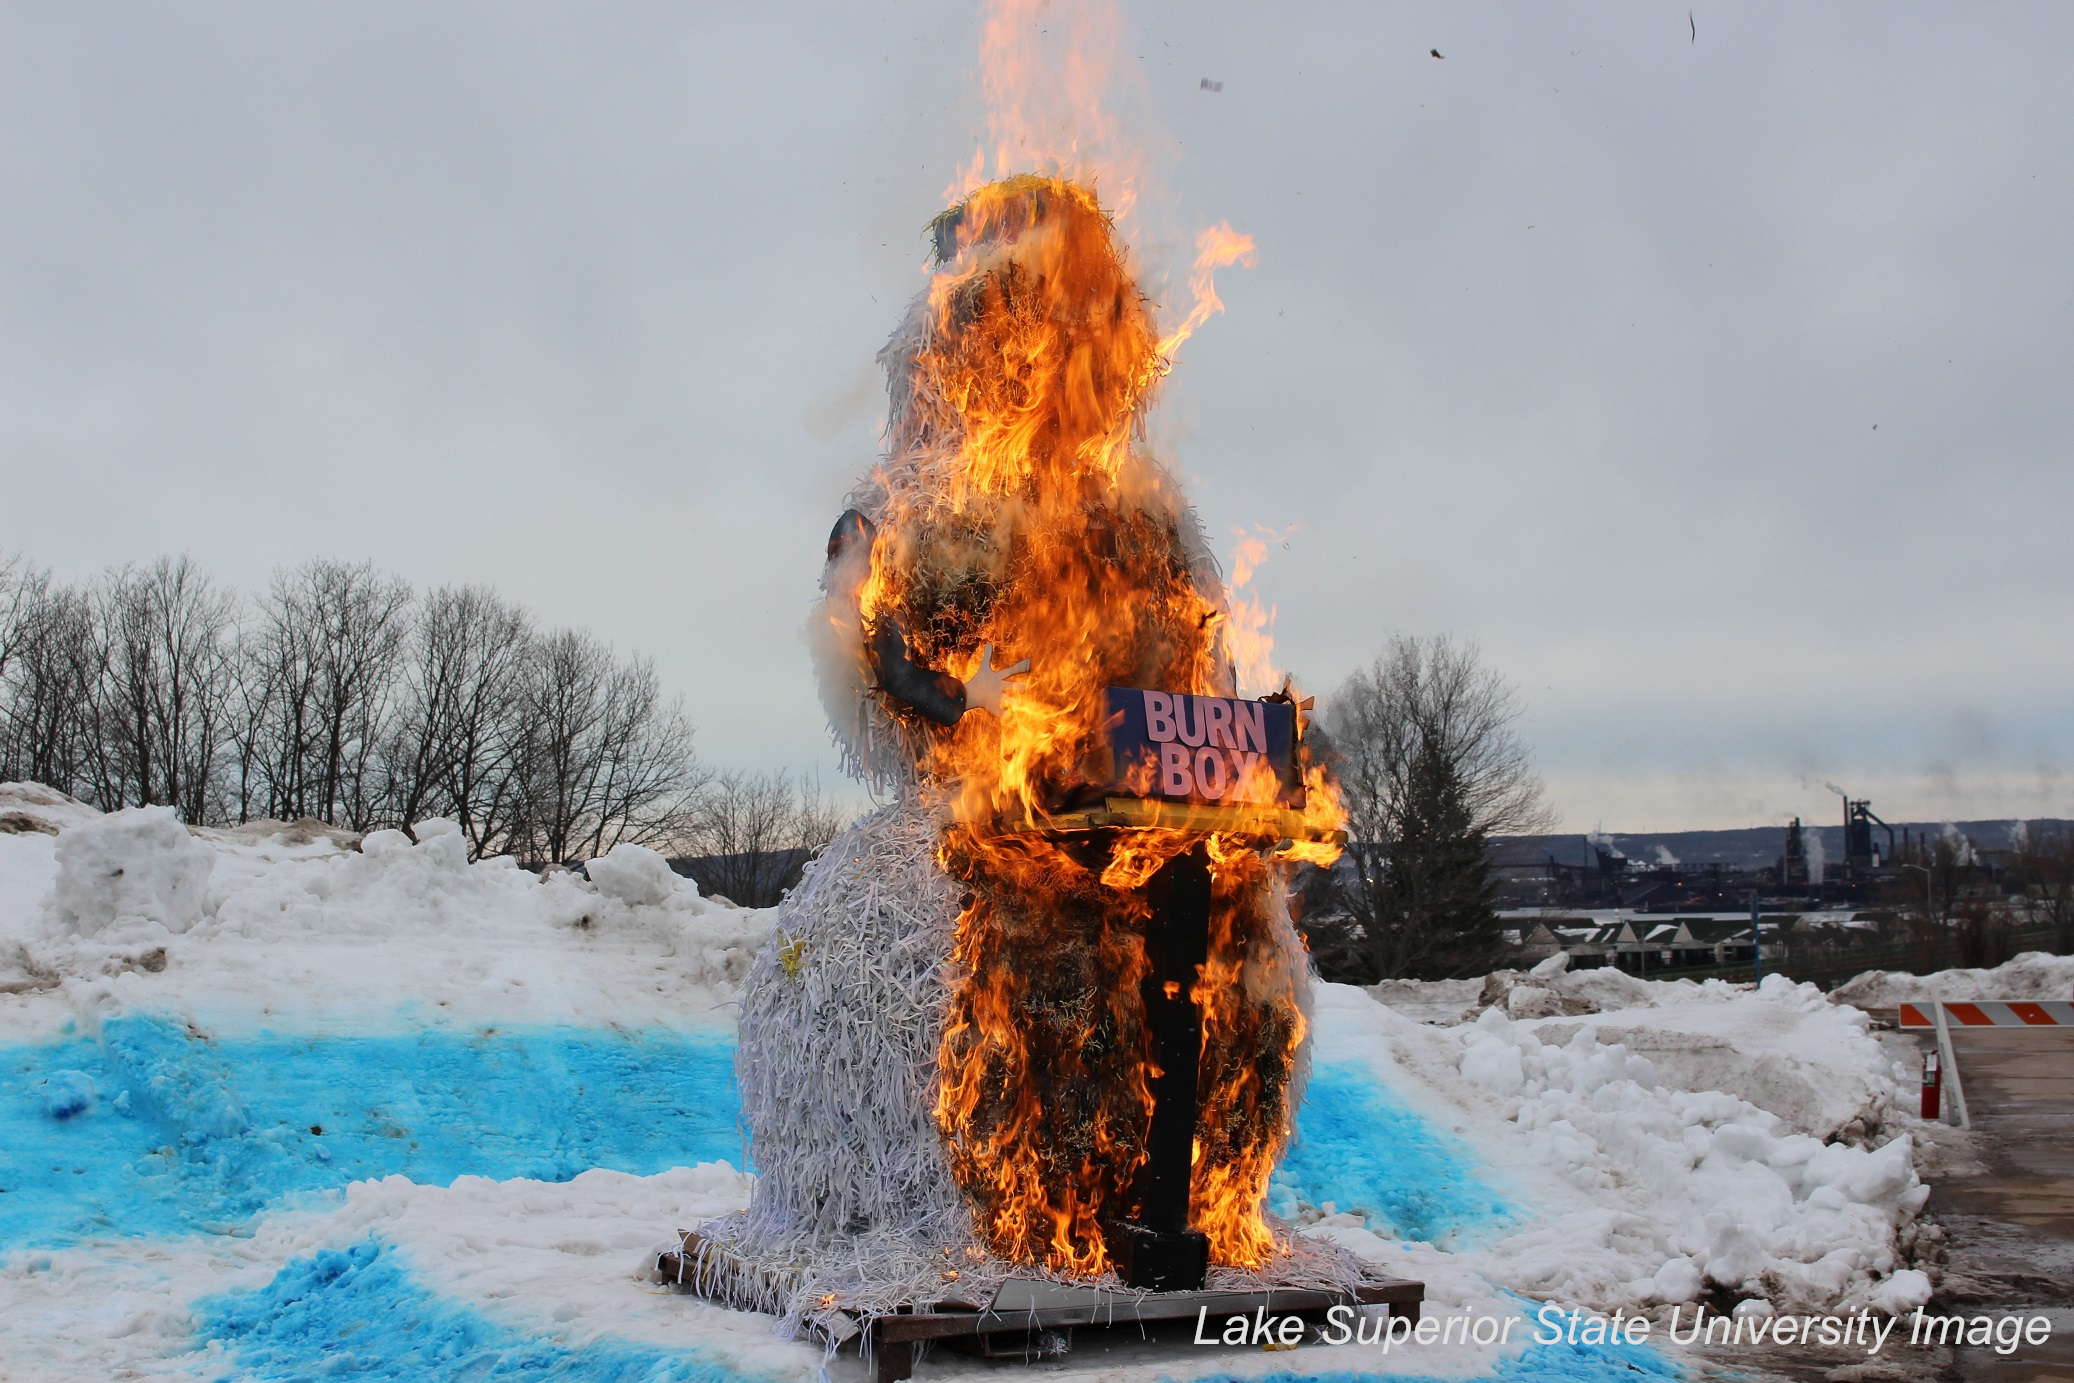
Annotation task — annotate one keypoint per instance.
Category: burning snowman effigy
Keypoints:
(1044, 1013)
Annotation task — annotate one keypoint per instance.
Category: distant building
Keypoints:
(1793, 865)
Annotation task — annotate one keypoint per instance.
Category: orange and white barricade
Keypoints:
(1992, 1013)
(1943, 1015)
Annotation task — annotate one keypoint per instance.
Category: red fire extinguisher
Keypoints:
(1933, 1086)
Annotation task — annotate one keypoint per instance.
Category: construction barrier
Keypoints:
(1941, 1079)
(1992, 1013)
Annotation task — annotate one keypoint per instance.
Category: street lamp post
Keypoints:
(1756, 940)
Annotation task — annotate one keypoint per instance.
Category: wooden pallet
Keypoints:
(1023, 1308)
(1020, 1315)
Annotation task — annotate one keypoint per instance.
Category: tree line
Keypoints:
(343, 695)
(1961, 910)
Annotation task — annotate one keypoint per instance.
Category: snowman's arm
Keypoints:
(936, 695)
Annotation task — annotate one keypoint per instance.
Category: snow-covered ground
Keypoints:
(276, 1102)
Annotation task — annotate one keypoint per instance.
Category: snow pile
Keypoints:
(66, 1094)
(1610, 1177)
(135, 868)
(237, 926)
(1784, 1048)
(2034, 975)
(1712, 1191)
(33, 809)
(1429, 1001)
(634, 874)
(396, 889)
(1550, 988)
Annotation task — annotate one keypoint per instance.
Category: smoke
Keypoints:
(1837, 790)
(1817, 853)
(1961, 843)
(1665, 858)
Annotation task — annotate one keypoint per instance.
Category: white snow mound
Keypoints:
(347, 933)
(633, 874)
(1683, 1189)
(2034, 975)
(134, 866)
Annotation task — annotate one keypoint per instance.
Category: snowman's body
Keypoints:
(900, 1147)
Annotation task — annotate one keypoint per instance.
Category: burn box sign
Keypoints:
(1209, 749)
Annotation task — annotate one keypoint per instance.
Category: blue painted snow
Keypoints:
(66, 1093)
(359, 1313)
(1558, 1363)
(152, 1128)
(1360, 1147)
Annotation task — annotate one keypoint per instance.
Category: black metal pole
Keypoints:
(1756, 940)
(1155, 1250)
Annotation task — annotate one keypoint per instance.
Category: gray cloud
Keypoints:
(1574, 343)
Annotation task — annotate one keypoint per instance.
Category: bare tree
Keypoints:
(604, 759)
(47, 684)
(25, 602)
(344, 699)
(756, 832)
(1431, 770)
(457, 741)
(563, 709)
(320, 674)
(160, 710)
(23, 590)
(2045, 871)
(821, 818)
(648, 790)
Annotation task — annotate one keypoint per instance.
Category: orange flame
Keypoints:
(1249, 635)
(1048, 73)
(1215, 248)
(1047, 532)
(1023, 511)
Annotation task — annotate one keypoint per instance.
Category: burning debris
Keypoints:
(1044, 1014)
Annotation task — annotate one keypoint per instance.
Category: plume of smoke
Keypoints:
(1961, 843)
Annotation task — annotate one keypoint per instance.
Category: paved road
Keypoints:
(2012, 1229)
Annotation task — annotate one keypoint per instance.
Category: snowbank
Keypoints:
(1784, 1048)
(266, 1092)
(33, 809)
(2032, 975)
(1607, 1177)
(276, 923)
(1713, 1191)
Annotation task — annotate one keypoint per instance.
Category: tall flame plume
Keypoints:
(1024, 511)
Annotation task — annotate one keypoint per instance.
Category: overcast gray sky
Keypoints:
(1718, 385)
